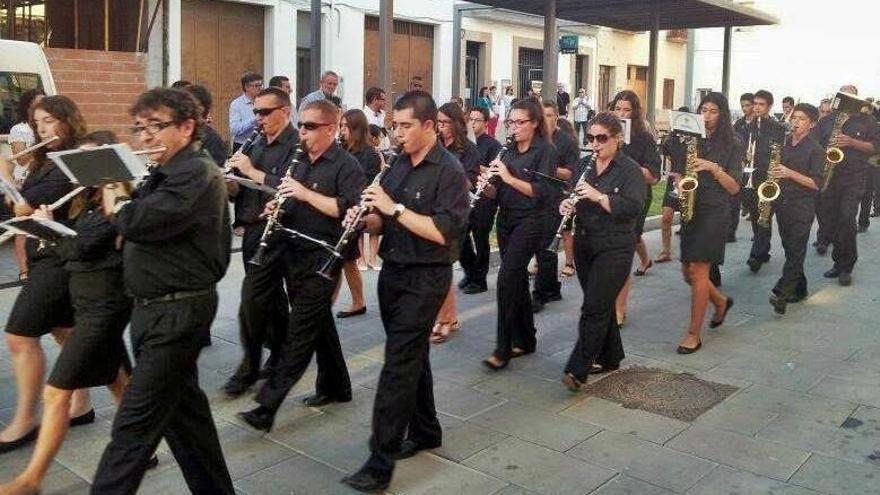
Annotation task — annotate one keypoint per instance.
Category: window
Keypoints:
(110, 25)
(12, 85)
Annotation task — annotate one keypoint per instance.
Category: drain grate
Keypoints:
(679, 396)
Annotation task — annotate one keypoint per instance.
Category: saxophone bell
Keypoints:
(834, 155)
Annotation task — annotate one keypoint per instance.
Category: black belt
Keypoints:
(174, 296)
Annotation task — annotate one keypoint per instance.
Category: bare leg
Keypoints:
(374, 249)
(620, 303)
(698, 275)
(447, 323)
(355, 285)
(21, 254)
(666, 231)
(642, 251)
(568, 247)
(29, 364)
(362, 259)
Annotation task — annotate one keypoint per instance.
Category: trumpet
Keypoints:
(478, 193)
(557, 238)
(331, 264)
(769, 190)
(687, 187)
(245, 147)
(273, 221)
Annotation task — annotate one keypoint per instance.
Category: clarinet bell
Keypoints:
(330, 267)
(259, 258)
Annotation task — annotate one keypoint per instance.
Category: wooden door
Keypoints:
(219, 42)
(412, 54)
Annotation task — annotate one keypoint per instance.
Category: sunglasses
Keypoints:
(265, 112)
(599, 138)
(311, 126)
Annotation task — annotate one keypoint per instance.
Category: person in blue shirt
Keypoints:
(242, 120)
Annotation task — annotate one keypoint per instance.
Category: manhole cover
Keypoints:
(680, 396)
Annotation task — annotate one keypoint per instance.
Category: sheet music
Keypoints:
(40, 228)
(100, 165)
(244, 181)
(687, 123)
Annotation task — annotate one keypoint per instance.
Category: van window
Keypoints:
(12, 85)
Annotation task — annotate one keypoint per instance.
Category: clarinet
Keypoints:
(245, 147)
(328, 268)
(557, 238)
(274, 219)
(476, 195)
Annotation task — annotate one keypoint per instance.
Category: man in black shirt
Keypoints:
(422, 210)
(859, 139)
(475, 256)
(177, 243)
(262, 314)
(322, 187)
(547, 286)
(742, 129)
(766, 131)
(563, 100)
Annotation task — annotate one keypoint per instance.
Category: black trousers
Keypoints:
(795, 219)
(547, 283)
(761, 236)
(312, 331)
(840, 205)
(163, 400)
(735, 210)
(409, 299)
(871, 197)
(263, 311)
(475, 249)
(602, 265)
(518, 233)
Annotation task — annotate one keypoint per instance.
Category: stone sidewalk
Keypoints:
(805, 420)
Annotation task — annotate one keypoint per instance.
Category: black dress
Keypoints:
(703, 238)
(44, 302)
(643, 150)
(93, 352)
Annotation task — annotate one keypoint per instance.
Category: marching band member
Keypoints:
(610, 202)
(743, 129)
(718, 167)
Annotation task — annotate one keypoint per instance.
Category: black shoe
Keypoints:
(474, 288)
(261, 418)
(778, 304)
(83, 419)
(237, 385)
(21, 442)
(266, 372)
(319, 400)
(366, 482)
(754, 264)
(347, 314)
(716, 324)
(862, 229)
(688, 350)
(409, 448)
(822, 249)
(845, 279)
(598, 369)
(153, 462)
(832, 273)
(537, 305)
(464, 283)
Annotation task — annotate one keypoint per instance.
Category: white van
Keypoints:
(23, 66)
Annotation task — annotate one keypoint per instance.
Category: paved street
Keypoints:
(805, 420)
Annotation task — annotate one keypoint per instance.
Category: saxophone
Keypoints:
(769, 190)
(687, 187)
(833, 154)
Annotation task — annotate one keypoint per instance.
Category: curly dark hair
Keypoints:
(179, 102)
(73, 125)
(609, 121)
(459, 127)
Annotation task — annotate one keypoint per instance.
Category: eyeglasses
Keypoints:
(599, 138)
(476, 120)
(311, 126)
(265, 112)
(255, 84)
(518, 123)
(153, 128)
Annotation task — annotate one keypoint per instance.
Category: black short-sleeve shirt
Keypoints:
(488, 148)
(370, 161)
(710, 194)
(567, 152)
(469, 157)
(435, 187)
(862, 127)
(766, 131)
(643, 150)
(807, 158)
(44, 186)
(272, 159)
(539, 157)
(94, 246)
(624, 184)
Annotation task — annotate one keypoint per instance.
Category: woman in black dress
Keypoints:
(718, 167)
(452, 134)
(93, 353)
(610, 201)
(43, 306)
(355, 132)
(642, 148)
(520, 197)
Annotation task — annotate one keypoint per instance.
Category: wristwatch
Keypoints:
(398, 210)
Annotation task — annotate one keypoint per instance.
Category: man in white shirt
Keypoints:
(375, 107)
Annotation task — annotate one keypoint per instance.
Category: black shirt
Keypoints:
(433, 188)
(176, 230)
(862, 127)
(766, 130)
(562, 102)
(675, 150)
(369, 160)
(741, 127)
(94, 246)
(643, 150)
(624, 184)
(337, 174)
(710, 195)
(272, 159)
(540, 157)
(567, 152)
(44, 186)
(488, 148)
(215, 146)
(807, 158)
(469, 157)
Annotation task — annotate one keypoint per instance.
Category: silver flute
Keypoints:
(32, 148)
(478, 193)
(573, 196)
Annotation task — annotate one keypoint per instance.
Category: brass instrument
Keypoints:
(687, 187)
(769, 190)
(274, 219)
(833, 154)
(557, 238)
(330, 266)
(478, 193)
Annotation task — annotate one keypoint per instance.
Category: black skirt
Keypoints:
(94, 351)
(44, 302)
(670, 200)
(703, 238)
(640, 222)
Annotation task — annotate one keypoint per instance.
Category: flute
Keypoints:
(33, 148)
(475, 196)
(557, 238)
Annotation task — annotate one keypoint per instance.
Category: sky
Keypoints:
(818, 46)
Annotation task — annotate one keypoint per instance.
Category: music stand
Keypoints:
(250, 184)
(40, 228)
(687, 123)
(101, 165)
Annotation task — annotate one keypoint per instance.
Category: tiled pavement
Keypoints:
(806, 419)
